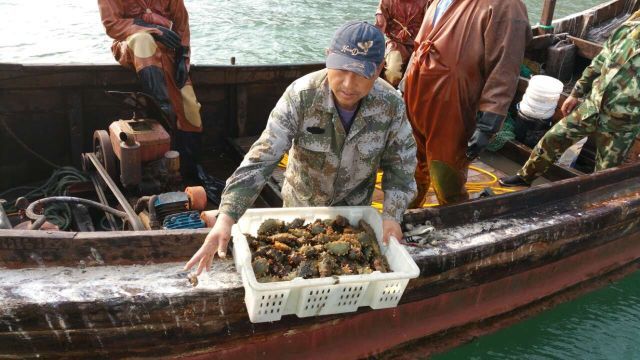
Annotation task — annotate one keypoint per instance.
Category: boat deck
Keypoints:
(483, 173)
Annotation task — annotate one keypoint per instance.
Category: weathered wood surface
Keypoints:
(586, 49)
(548, 9)
(69, 101)
(30, 248)
(533, 244)
(578, 24)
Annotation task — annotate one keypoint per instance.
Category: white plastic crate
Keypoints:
(320, 296)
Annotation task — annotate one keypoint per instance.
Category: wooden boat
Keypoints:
(493, 261)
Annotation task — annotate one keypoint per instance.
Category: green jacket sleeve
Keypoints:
(398, 164)
(244, 186)
(584, 84)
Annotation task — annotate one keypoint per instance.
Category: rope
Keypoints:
(472, 187)
(56, 185)
(40, 219)
(404, 30)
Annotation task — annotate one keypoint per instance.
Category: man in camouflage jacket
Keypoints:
(610, 111)
(340, 125)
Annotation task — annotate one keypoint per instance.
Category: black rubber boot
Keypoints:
(513, 181)
(188, 144)
(153, 83)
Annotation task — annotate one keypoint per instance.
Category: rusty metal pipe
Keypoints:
(133, 219)
(130, 162)
(40, 219)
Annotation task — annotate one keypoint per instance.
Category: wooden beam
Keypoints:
(586, 49)
(520, 153)
(76, 127)
(547, 13)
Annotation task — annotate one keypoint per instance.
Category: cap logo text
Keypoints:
(365, 46)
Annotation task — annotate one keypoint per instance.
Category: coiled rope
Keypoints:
(56, 185)
(472, 186)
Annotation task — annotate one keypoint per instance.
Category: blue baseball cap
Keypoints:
(357, 46)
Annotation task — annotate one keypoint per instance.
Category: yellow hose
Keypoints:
(472, 187)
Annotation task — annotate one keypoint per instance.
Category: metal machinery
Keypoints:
(133, 161)
(136, 153)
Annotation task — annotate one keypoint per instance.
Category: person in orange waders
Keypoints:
(400, 21)
(153, 38)
(458, 86)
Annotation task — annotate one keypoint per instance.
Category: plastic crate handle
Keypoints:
(414, 272)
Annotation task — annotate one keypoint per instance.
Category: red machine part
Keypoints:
(153, 138)
(197, 197)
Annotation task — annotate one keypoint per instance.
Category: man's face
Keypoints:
(348, 87)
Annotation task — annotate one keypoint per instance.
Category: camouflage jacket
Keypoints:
(611, 84)
(326, 166)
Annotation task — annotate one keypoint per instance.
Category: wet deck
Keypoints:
(483, 173)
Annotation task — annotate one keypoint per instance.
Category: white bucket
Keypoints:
(546, 83)
(533, 113)
(541, 98)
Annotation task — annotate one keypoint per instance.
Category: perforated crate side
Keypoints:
(388, 293)
(348, 298)
(313, 300)
(333, 299)
(265, 305)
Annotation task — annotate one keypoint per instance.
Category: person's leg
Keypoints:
(191, 107)
(422, 171)
(189, 145)
(141, 52)
(449, 181)
(155, 68)
(559, 138)
(612, 148)
(393, 67)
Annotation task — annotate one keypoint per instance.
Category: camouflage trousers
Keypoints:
(612, 146)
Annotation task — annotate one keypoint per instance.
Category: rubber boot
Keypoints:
(513, 181)
(188, 144)
(420, 197)
(153, 83)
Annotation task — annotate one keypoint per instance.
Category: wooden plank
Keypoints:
(520, 153)
(19, 248)
(215, 321)
(575, 24)
(586, 49)
(76, 127)
(91, 75)
(541, 42)
(548, 9)
(242, 105)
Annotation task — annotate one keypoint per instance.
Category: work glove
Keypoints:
(166, 37)
(157, 19)
(487, 125)
(182, 66)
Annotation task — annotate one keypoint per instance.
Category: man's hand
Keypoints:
(216, 241)
(478, 142)
(163, 35)
(182, 66)
(569, 104)
(487, 125)
(391, 228)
